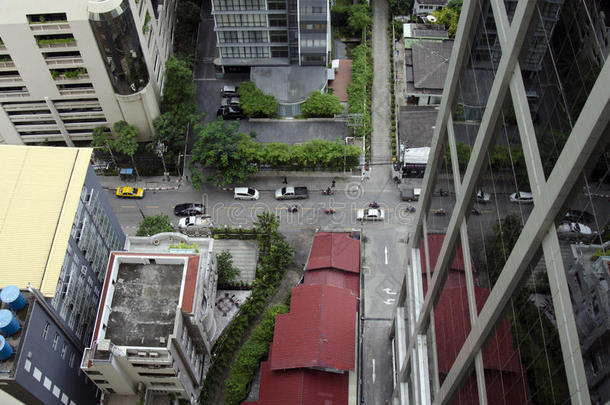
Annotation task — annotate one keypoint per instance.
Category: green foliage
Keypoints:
(605, 234)
(599, 253)
(178, 90)
(217, 145)
(125, 142)
(498, 248)
(184, 246)
(224, 265)
(275, 255)
(400, 7)
(255, 103)
(359, 90)
(54, 41)
(187, 20)
(321, 105)
(154, 224)
(359, 17)
(449, 16)
(146, 26)
(100, 137)
(250, 355)
(338, 16)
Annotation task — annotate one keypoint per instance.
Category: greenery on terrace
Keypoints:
(55, 41)
(275, 255)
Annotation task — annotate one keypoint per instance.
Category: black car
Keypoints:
(579, 216)
(228, 112)
(189, 209)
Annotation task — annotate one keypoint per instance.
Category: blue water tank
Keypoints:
(5, 349)
(8, 324)
(12, 297)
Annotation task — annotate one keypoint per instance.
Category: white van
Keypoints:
(245, 193)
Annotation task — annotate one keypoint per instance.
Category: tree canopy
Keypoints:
(154, 224)
(218, 146)
(359, 17)
(321, 105)
(449, 16)
(226, 271)
(255, 103)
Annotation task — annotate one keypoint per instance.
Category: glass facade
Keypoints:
(118, 42)
(511, 285)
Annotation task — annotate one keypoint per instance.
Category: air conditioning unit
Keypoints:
(349, 140)
(103, 345)
(154, 354)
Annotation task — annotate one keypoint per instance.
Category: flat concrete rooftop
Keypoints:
(289, 84)
(144, 304)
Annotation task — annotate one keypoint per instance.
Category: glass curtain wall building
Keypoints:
(505, 297)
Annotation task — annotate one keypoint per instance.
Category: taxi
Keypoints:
(129, 192)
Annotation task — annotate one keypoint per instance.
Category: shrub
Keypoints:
(255, 103)
(154, 224)
(226, 271)
(321, 105)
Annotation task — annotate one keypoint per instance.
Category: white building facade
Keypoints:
(69, 66)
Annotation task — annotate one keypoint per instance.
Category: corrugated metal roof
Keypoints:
(336, 278)
(301, 387)
(41, 189)
(334, 250)
(319, 331)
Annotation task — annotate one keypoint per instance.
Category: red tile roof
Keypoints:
(335, 250)
(319, 331)
(335, 278)
(301, 387)
(343, 77)
(435, 242)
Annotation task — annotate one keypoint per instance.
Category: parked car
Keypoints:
(483, 197)
(228, 112)
(370, 214)
(574, 229)
(579, 216)
(245, 193)
(291, 193)
(229, 91)
(129, 192)
(189, 209)
(522, 197)
(195, 222)
(230, 101)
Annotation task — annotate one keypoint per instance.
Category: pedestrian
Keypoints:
(285, 180)
(333, 184)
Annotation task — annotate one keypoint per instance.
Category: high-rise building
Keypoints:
(68, 66)
(272, 32)
(505, 297)
(57, 230)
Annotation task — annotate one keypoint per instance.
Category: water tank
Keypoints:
(8, 324)
(12, 297)
(5, 349)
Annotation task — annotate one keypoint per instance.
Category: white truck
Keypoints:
(200, 225)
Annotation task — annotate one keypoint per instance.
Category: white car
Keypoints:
(194, 222)
(370, 214)
(522, 197)
(245, 193)
(575, 228)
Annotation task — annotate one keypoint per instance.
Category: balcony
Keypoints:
(7, 65)
(77, 79)
(60, 43)
(63, 61)
(50, 27)
(12, 79)
(14, 93)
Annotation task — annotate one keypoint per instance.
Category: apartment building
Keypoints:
(69, 66)
(57, 233)
(423, 8)
(521, 137)
(155, 325)
(272, 32)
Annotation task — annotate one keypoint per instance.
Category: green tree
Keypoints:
(359, 18)
(255, 103)
(187, 19)
(217, 145)
(505, 235)
(101, 139)
(126, 140)
(266, 226)
(400, 7)
(226, 271)
(276, 154)
(154, 224)
(321, 105)
(449, 16)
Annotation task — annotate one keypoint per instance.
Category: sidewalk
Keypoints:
(262, 181)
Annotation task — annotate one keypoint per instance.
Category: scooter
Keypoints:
(292, 208)
(410, 208)
(329, 211)
(475, 211)
(443, 193)
(328, 191)
(374, 204)
(440, 212)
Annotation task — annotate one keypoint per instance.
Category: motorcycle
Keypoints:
(329, 211)
(440, 212)
(292, 208)
(475, 211)
(374, 204)
(410, 208)
(328, 191)
(443, 193)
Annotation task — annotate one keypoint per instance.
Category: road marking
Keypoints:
(386, 255)
(389, 301)
(152, 206)
(389, 291)
(128, 206)
(373, 370)
(204, 80)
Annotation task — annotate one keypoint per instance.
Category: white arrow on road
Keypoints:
(389, 291)
(373, 370)
(389, 301)
(386, 255)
